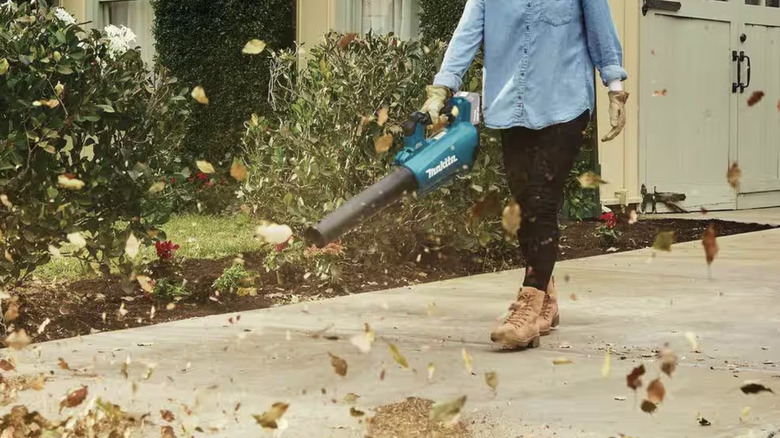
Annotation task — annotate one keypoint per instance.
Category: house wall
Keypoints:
(77, 8)
(314, 18)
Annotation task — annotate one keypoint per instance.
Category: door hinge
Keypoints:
(663, 5)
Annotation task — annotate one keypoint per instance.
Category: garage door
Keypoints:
(701, 62)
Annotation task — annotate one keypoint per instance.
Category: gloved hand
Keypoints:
(617, 113)
(437, 98)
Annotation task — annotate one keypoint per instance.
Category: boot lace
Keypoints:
(520, 310)
(545, 307)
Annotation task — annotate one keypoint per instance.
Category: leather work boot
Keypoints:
(549, 317)
(521, 327)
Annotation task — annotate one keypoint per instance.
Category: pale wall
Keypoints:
(77, 8)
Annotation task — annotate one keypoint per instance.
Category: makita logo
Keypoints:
(447, 162)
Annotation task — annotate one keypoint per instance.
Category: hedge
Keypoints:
(200, 41)
(439, 18)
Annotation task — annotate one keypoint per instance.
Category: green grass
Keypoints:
(199, 237)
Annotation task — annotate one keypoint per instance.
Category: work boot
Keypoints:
(549, 317)
(521, 328)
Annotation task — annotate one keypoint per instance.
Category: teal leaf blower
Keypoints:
(421, 166)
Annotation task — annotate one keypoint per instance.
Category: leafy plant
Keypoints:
(326, 262)
(439, 18)
(169, 289)
(235, 279)
(283, 257)
(86, 132)
(608, 232)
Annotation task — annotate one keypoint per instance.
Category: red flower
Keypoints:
(173, 180)
(190, 179)
(610, 219)
(165, 249)
(280, 247)
(202, 176)
(209, 184)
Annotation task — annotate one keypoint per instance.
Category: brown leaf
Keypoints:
(664, 241)
(18, 340)
(511, 219)
(590, 180)
(488, 206)
(167, 415)
(382, 116)
(648, 406)
(74, 398)
(703, 210)
(491, 378)
(778, 105)
(38, 383)
(199, 94)
(755, 98)
(447, 412)
(632, 217)
(656, 391)
(167, 432)
(383, 143)
(63, 365)
(339, 365)
(7, 365)
(12, 313)
(270, 418)
(658, 93)
(356, 412)
(351, 397)
(755, 388)
(668, 360)
(733, 175)
(633, 379)
(238, 171)
(398, 357)
(346, 40)
(710, 245)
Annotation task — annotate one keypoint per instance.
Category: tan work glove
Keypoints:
(437, 98)
(617, 113)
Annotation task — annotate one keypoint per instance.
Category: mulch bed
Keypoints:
(92, 305)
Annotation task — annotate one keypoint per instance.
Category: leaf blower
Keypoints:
(421, 166)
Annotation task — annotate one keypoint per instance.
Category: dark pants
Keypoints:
(537, 164)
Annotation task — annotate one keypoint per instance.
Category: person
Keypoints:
(538, 91)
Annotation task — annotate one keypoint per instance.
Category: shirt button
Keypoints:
(525, 50)
(528, 28)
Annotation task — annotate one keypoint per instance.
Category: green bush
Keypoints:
(236, 279)
(85, 133)
(439, 18)
(200, 41)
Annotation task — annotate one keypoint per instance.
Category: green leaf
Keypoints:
(3, 66)
(60, 36)
(107, 108)
(64, 69)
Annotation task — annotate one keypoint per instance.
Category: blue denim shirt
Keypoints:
(539, 58)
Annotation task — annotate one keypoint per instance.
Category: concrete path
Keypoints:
(632, 302)
(768, 216)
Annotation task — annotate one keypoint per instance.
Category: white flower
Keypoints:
(64, 16)
(119, 39)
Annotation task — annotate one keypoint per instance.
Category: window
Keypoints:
(400, 17)
(138, 15)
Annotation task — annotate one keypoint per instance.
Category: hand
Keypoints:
(437, 98)
(617, 113)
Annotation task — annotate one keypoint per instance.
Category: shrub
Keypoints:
(86, 132)
(439, 18)
(201, 42)
(235, 279)
(171, 289)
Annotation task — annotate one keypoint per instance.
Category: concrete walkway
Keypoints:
(631, 301)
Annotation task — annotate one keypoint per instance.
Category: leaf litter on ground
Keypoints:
(409, 418)
(397, 356)
(270, 418)
(491, 378)
(339, 365)
(710, 244)
(634, 378)
(754, 387)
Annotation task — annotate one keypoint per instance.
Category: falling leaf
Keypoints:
(755, 98)
(238, 171)
(573, 296)
(3, 66)
(656, 391)
(633, 217)
(199, 94)
(351, 397)
(634, 378)
(778, 105)
(691, 337)
(7, 365)
(11, 313)
(346, 40)
(170, 306)
(431, 370)
(43, 325)
(659, 93)
(77, 239)
(18, 340)
(467, 360)
(704, 422)
(491, 378)
(562, 361)
(74, 398)
(151, 313)
(710, 245)
(70, 183)
(745, 414)
(510, 219)
(590, 180)
(356, 412)
(755, 388)
(253, 47)
(5, 201)
(273, 233)
(447, 412)
(270, 419)
(132, 246)
(383, 143)
(147, 284)
(363, 341)
(339, 365)
(668, 361)
(122, 311)
(167, 432)
(486, 207)
(59, 88)
(382, 117)
(605, 369)
(648, 406)
(63, 365)
(664, 240)
(397, 356)
(733, 175)
(157, 187)
(167, 415)
(204, 166)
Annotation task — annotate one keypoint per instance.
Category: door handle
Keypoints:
(736, 58)
(663, 5)
(743, 57)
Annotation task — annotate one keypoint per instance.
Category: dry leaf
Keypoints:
(364, 340)
(11, 313)
(447, 412)
(606, 367)
(491, 378)
(18, 340)
(5, 201)
(633, 217)
(634, 378)
(664, 241)
(270, 419)
(132, 246)
(51, 103)
(668, 360)
(167, 415)
(755, 98)
(77, 239)
(431, 370)
(487, 207)
(562, 361)
(147, 284)
(167, 432)
(704, 422)
(204, 166)
(273, 233)
(659, 93)
(383, 143)
(467, 360)
(356, 412)
(573, 296)
(346, 40)
(351, 397)
(710, 245)
(199, 94)
(253, 47)
(733, 175)
(398, 357)
(511, 219)
(648, 406)
(74, 398)
(3, 66)
(69, 182)
(8, 365)
(383, 116)
(63, 365)
(656, 391)
(43, 325)
(590, 180)
(691, 337)
(339, 365)
(59, 88)
(157, 187)
(752, 387)
(238, 171)
(778, 105)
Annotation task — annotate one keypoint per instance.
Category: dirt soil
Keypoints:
(103, 304)
(410, 419)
